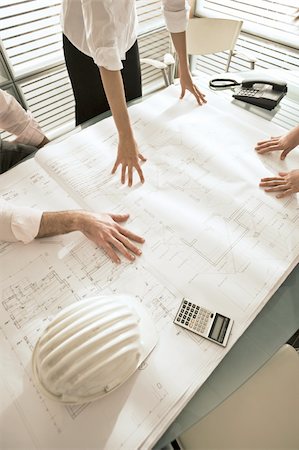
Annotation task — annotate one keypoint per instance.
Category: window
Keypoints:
(269, 32)
(271, 19)
(31, 35)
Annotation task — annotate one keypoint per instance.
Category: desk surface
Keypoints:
(279, 319)
(253, 348)
(275, 324)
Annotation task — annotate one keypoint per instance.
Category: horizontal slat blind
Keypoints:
(268, 54)
(50, 98)
(153, 45)
(149, 15)
(31, 34)
(272, 19)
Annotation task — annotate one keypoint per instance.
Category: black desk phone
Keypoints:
(264, 93)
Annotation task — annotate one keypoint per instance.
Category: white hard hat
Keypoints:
(91, 347)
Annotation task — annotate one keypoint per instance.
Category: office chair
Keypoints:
(261, 415)
(205, 36)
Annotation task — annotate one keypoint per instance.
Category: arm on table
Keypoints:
(103, 229)
(21, 123)
(128, 154)
(176, 13)
(179, 42)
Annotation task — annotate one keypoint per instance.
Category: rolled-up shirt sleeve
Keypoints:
(18, 223)
(101, 36)
(176, 13)
(17, 121)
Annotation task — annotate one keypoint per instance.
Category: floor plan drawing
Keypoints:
(211, 235)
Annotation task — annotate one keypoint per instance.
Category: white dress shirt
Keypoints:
(18, 223)
(106, 29)
(17, 121)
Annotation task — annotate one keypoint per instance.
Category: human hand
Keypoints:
(187, 84)
(285, 143)
(128, 156)
(106, 232)
(286, 183)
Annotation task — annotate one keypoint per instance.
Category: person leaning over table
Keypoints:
(101, 53)
(285, 183)
(24, 224)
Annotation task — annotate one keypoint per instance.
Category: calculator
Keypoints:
(208, 324)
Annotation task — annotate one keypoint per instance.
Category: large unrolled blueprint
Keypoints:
(212, 235)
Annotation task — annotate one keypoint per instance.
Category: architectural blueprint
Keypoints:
(210, 235)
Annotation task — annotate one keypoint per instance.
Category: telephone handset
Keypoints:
(264, 93)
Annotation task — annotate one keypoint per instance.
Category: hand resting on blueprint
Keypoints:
(284, 143)
(187, 84)
(285, 183)
(103, 229)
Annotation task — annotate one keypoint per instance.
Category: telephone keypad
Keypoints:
(248, 92)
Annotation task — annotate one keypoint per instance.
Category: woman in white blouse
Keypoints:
(103, 63)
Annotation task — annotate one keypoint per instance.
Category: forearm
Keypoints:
(179, 42)
(114, 89)
(294, 134)
(105, 230)
(17, 121)
(61, 222)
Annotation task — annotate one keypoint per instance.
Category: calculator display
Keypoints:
(219, 327)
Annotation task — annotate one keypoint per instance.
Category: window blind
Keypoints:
(150, 15)
(271, 19)
(31, 34)
(50, 99)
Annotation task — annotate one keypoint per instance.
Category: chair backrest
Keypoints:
(261, 414)
(205, 36)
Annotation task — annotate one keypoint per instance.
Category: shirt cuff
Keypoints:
(25, 223)
(109, 58)
(32, 134)
(176, 21)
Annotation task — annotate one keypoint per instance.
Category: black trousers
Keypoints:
(90, 97)
(13, 153)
